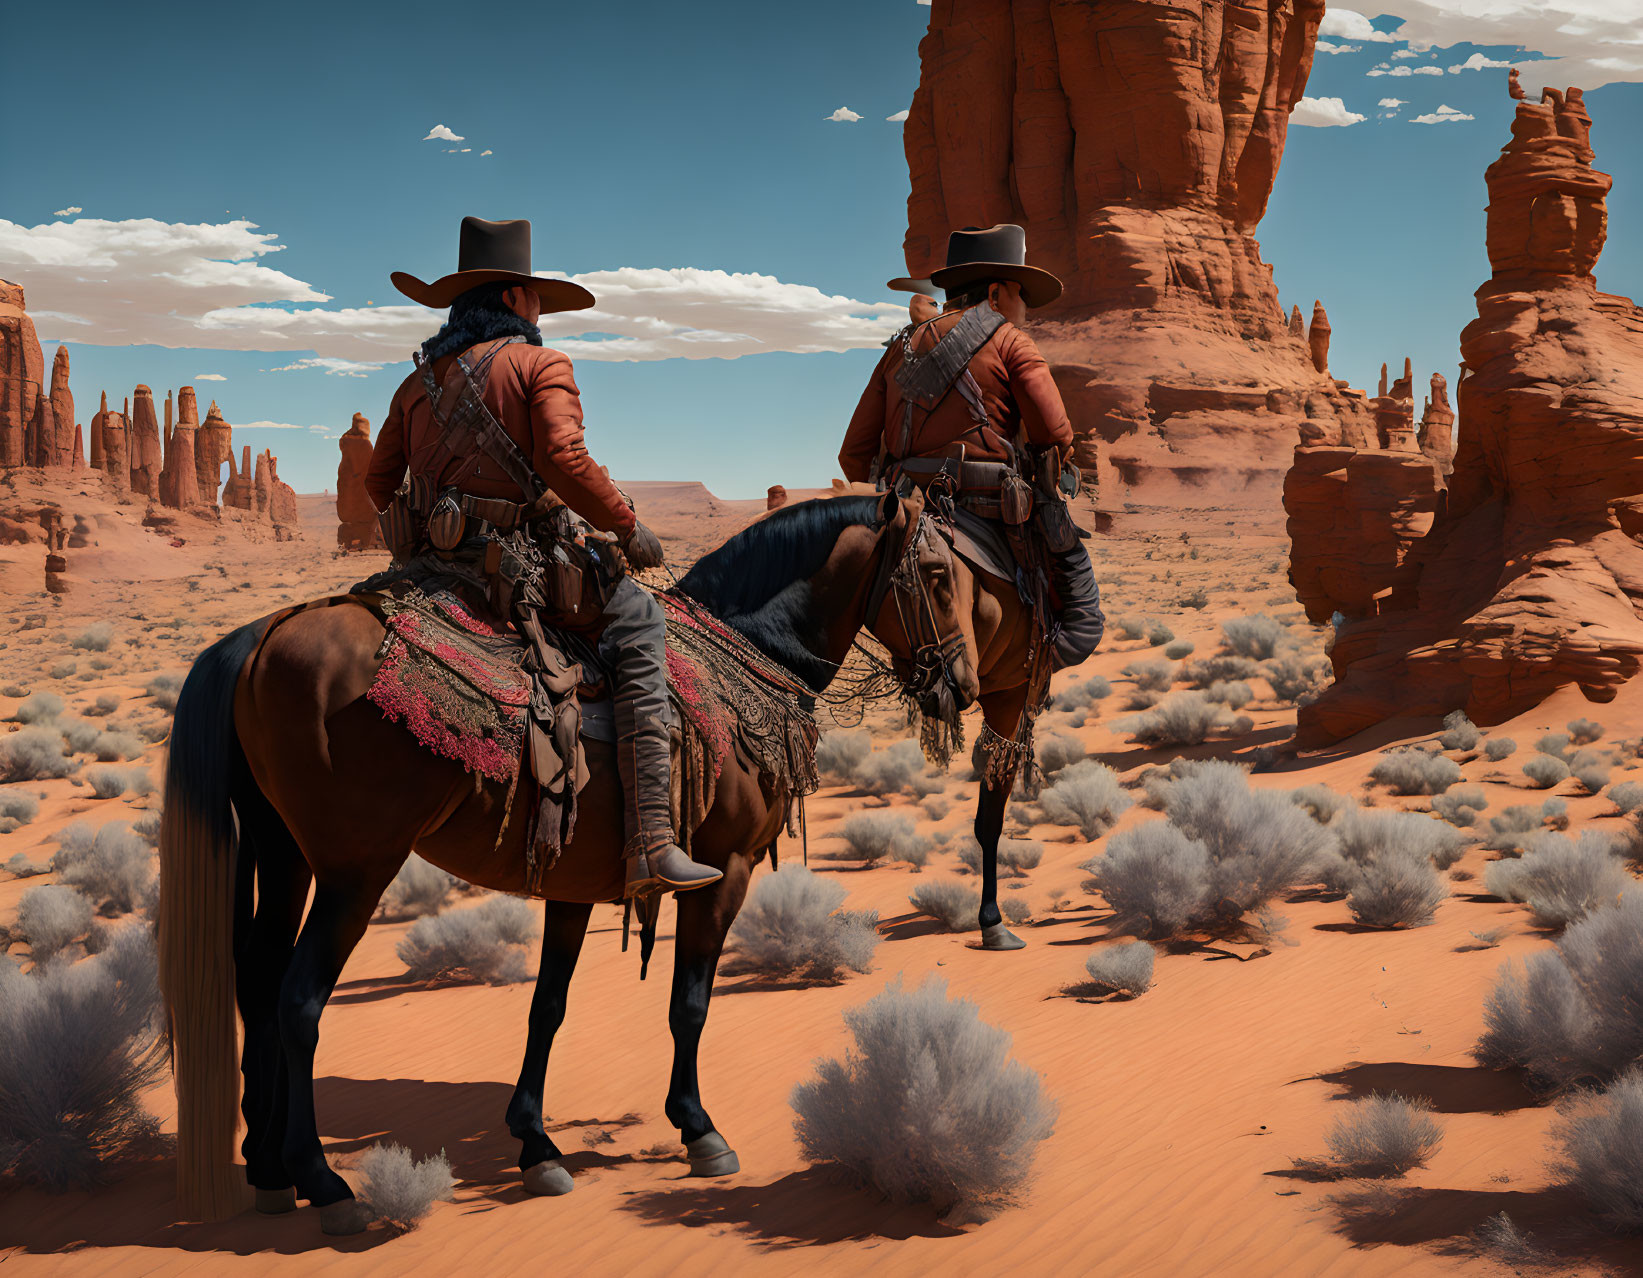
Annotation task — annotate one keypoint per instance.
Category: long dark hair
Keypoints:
(479, 315)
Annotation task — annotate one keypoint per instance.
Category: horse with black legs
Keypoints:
(284, 777)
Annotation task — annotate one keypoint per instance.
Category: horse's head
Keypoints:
(920, 608)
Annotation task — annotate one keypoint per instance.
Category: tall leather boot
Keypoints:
(634, 644)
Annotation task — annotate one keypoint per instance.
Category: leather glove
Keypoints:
(642, 548)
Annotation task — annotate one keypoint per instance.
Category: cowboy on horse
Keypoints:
(484, 438)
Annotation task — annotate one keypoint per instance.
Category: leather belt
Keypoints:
(968, 475)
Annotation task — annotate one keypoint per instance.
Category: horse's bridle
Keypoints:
(933, 653)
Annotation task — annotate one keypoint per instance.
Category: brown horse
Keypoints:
(282, 776)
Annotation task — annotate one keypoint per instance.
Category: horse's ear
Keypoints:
(889, 508)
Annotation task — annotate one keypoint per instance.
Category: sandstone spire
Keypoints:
(213, 443)
(22, 368)
(1318, 337)
(147, 459)
(61, 449)
(97, 434)
(356, 516)
(1297, 325)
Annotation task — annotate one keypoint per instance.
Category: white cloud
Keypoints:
(844, 115)
(70, 211)
(487, 153)
(274, 426)
(1327, 46)
(1404, 53)
(1323, 113)
(1476, 63)
(1353, 26)
(440, 133)
(1443, 115)
(899, 116)
(209, 377)
(187, 286)
(328, 364)
(1401, 71)
(1391, 104)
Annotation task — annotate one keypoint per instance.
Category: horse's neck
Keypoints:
(998, 616)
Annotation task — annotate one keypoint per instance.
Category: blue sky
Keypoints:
(673, 136)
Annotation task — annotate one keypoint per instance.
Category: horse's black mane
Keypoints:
(759, 580)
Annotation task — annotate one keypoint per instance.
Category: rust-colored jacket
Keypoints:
(1016, 390)
(532, 392)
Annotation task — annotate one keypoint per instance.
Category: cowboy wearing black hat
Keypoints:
(485, 435)
(966, 397)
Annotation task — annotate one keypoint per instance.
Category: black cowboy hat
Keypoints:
(906, 284)
(976, 256)
(493, 253)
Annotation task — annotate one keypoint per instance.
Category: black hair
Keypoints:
(479, 315)
(971, 295)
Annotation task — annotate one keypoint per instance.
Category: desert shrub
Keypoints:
(1459, 732)
(1258, 637)
(1415, 772)
(106, 783)
(1627, 796)
(1197, 597)
(13, 690)
(1497, 748)
(1180, 650)
(936, 806)
(1082, 695)
(792, 926)
(42, 707)
(1015, 856)
(1220, 668)
(1015, 910)
(51, 917)
(1384, 1136)
(1561, 879)
(1058, 749)
(1127, 627)
(80, 734)
(1555, 812)
(94, 638)
(1554, 745)
(1152, 676)
(1544, 771)
(876, 836)
(840, 753)
(1234, 694)
(1590, 769)
(1602, 1140)
(1296, 679)
(17, 806)
(113, 746)
(400, 1190)
(1319, 802)
(890, 770)
(1183, 719)
(115, 872)
(486, 943)
(147, 828)
(417, 890)
(1087, 795)
(1460, 805)
(79, 1043)
(1584, 731)
(967, 1120)
(106, 704)
(164, 689)
(34, 754)
(1155, 878)
(1158, 633)
(949, 902)
(20, 867)
(1363, 836)
(1140, 699)
(63, 669)
(1399, 888)
(1570, 1012)
(1125, 968)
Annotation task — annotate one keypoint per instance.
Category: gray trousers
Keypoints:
(633, 646)
(1081, 623)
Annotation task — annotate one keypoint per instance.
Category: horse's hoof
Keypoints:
(548, 1180)
(999, 937)
(276, 1202)
(709, 1155)
(339, 1219)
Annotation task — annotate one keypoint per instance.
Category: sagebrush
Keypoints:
(793, 926)
(400, 1190)
(486, 943)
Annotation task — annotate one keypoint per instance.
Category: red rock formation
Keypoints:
(42, 432)
(775, 497)
(1527, 580)
(213, 445)
(1317, 338)
(22, 368)
(263, 489)
(60, 451)
(180, 479)
(147, 458)
(1437, 426)
(238, 490)
(282, 498)
(79, 460)
(97, 433)
(1137, 142)
(356, 516)
(113, 429)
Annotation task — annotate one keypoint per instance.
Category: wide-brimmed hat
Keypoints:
(976, 256)
(906, 284)
(493, 253)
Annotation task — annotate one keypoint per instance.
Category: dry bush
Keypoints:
(1084, 694)
(17, 806)
(20, 867)
(79, 734)
(1218, 669)
(1590, 769)
(1138, 699)
(165, 688)
(1365, 835)
(1571, 1012)
(1320, 802)
(1155, 878)
(1015, 856)
(872, 837)
(1460, 805)
(42, 707)
(79, 1043)
(839, 753)
(1180, 650)
(1015, 910)
(107, 783)
(1086, 795)
(1602, 1139)
(1158, 633)
(1183, 719)
(1459, 732)
(1508, 831)
(94, 638)
(936, 806)
(1497, 748)
(1415, 772)
(891, 770)
(115, 871)
(63, 669)
(949, 902)
(1127, 627)
(1384, 1136)
(1560, 879)
(1150, 676)
(1058, 749)
(1554, 745)
(792, 926)
(1295, 679)
(34, 754)
(417, 890)
(486, 943)
(51, 917)
(116, 745)
(1234, 694)
(1584, 731)
(1258, 637)
(1397, 889)
(400, 1190)
(1544, 771)
(967, 1121)
(1627, 796)
(147, 828)
(1125, 968)
(106, 704)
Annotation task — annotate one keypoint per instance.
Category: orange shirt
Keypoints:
(532, 393)
(1016, 390)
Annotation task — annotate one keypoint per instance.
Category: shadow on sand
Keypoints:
(1451, 1089)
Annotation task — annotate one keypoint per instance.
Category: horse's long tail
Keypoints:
(196, 928)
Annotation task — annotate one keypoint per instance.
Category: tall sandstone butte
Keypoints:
(213, 445)
(1138, 143)
(1527, 579)
(22, 369)
(356, 516)
(61, 449)
(146, 458)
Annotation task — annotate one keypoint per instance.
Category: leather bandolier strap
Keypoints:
(925, 379)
